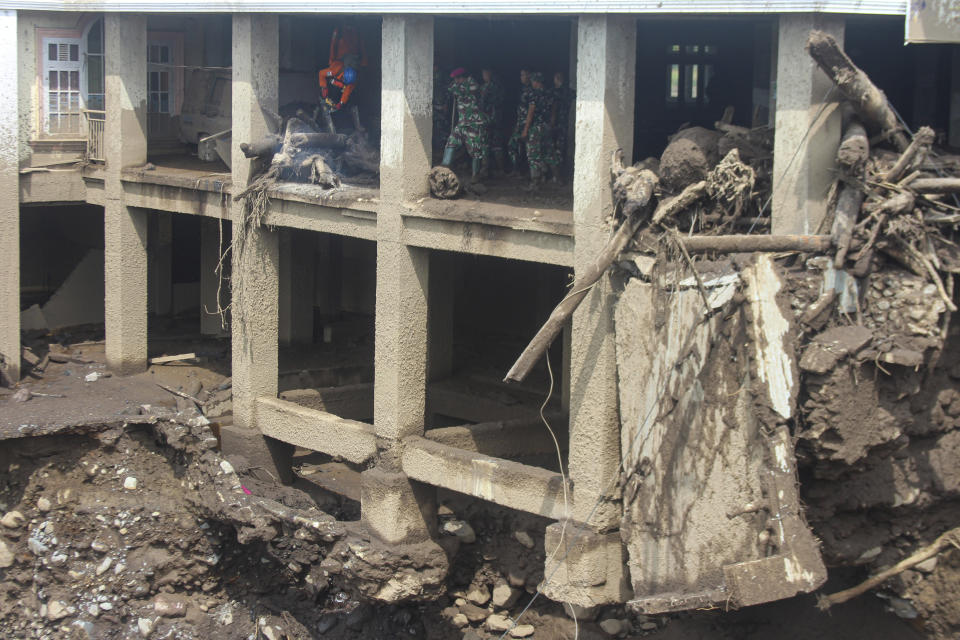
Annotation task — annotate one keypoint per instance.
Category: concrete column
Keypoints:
(160, 236)
(402, 281)
(297, 288)
(805, 146)
(606, 54)
(210, 284)
(9, 202)
(256, 269)
(125, 228)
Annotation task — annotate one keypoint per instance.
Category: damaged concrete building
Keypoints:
(372, 324)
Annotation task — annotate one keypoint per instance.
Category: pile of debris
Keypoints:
(305, 153)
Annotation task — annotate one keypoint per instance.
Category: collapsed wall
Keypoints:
(741, 423)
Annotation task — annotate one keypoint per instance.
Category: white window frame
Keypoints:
(61, 66)
(168, 68)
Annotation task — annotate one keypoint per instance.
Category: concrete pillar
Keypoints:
(212, 245)
(125, 228)
(256, 269)
(606, 47)
(297, 274)
(9, 202)
(402, 278)
(160, 243)
(805, 146)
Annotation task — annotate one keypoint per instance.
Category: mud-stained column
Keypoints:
(125, 228)
(297, 274)
(160, 243)
(256, 263)
(606, 55)
(214, 240)
(9, 202)
(396, 509)
(807, 126)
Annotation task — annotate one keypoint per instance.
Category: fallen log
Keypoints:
(936, 185)
(265, 147)
(689, 195)
(749, 243)
(916, 153)
(854, 146)
(844, 221)
(321, 140)
(642, 193)
(869, 101)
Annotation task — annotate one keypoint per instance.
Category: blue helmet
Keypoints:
(349, 75)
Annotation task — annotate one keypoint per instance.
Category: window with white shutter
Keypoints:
(62, 99)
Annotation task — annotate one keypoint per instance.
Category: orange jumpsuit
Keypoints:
(333, 75)
(345, 42)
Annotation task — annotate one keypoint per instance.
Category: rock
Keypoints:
(522, 631)
(169, 606)
(516, 578)
(36, 547)
(104, 565)
(524, 538)
(689, 156)
(6, 556)
(444, 511)
(927, 566)
(648, 626)
(479, 594)
(44, 504)
(271, 633)
(99, 546)
(226, 467)
(461, 529)
(57, 610)
(460, 621)
(473, 612)
(21, 395)
(504, 596)
(106, 606)
(130, 483)
(833, 344)
(497, 623)
(145, 626)
(85, 627)
(12, 519)
(613, 627)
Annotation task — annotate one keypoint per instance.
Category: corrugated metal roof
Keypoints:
(869, 7)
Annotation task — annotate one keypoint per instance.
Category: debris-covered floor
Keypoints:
(135, 527)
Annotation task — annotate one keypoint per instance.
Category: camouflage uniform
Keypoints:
(540, 153)
(515, 146)
(472, 126)
(564, 97)
(491, 102)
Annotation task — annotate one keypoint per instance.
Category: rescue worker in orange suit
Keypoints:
(347, 53)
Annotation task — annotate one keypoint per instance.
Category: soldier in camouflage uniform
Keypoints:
(472, 123)
(491, 102)
(516, 146)
(564, 98)
(541, 118)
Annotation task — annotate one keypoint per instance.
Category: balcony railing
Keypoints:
(95, 127)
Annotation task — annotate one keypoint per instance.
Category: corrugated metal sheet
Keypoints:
(870, 7)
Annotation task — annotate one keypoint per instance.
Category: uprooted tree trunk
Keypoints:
(642, 186)
(869, 101)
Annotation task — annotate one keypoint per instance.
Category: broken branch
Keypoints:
(641, 194)
(948, 539)
(919, 146)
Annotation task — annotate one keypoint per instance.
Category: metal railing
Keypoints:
(95, 131)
